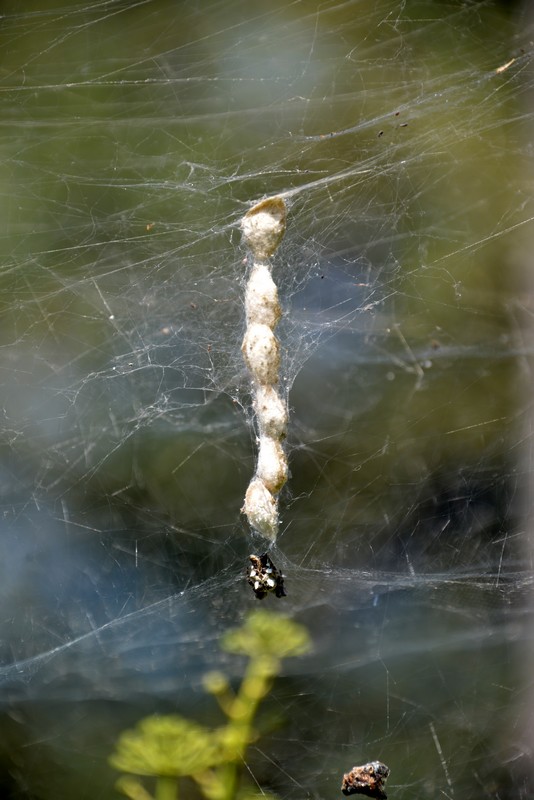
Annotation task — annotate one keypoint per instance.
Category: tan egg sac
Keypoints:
(261, 509)
(263, 228)
(261, 297)
(271, 412)
(272, 464)
(261, 352)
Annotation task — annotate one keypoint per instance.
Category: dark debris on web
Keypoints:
(369, 780)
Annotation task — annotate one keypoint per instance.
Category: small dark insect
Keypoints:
(264, 577)
(368, 779)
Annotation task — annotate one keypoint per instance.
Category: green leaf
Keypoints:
(266, 634)
(167, 746)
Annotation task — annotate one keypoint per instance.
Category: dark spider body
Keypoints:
(264, 577)
(368, 779)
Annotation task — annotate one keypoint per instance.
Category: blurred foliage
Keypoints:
(169, 747)
(135, 134)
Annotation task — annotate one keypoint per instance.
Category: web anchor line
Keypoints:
(263, 228)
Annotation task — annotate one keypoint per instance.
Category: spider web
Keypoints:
(135, 136)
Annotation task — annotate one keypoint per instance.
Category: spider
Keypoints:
(264, 577)
(368, 779)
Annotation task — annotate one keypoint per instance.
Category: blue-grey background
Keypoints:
(134, 136)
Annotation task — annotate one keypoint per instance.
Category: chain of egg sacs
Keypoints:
(263, 228)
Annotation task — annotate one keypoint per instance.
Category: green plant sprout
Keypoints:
(168, 748)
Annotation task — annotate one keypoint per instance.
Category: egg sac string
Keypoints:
(263, 228)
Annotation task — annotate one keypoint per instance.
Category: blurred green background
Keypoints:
(134, 137)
